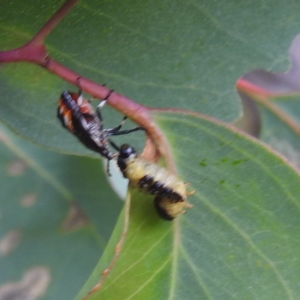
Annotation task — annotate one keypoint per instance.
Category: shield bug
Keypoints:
(169, 191)
(79, 117)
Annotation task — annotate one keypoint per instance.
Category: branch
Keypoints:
(140, 114)
(52, 22)
(35, 52)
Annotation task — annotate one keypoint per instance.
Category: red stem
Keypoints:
(251, 89)
(137, 112)
(52, 22)
(34, 51)
(35, 54)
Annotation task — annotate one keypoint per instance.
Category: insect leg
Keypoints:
(114, 145)
(101, 104)
(117, 128)
(125, 131)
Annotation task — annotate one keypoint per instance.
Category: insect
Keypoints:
(169, 191)
(79, 117)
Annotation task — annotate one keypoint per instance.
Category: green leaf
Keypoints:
(239, 241)
(276, 96)
(55, 219)
(182, 55)
(161, 54)
(282, 135)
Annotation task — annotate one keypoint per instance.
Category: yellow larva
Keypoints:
(169, 191)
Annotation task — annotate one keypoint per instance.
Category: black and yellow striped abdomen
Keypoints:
(169, 191)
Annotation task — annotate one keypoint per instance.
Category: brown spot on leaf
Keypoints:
(9, 242)
(16, 167)
(75, 219)
(33, 285)
(3, 138)
(28, 199)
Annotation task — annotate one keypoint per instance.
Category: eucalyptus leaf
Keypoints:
(239, 241)
(56, 215)
(277, 113)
